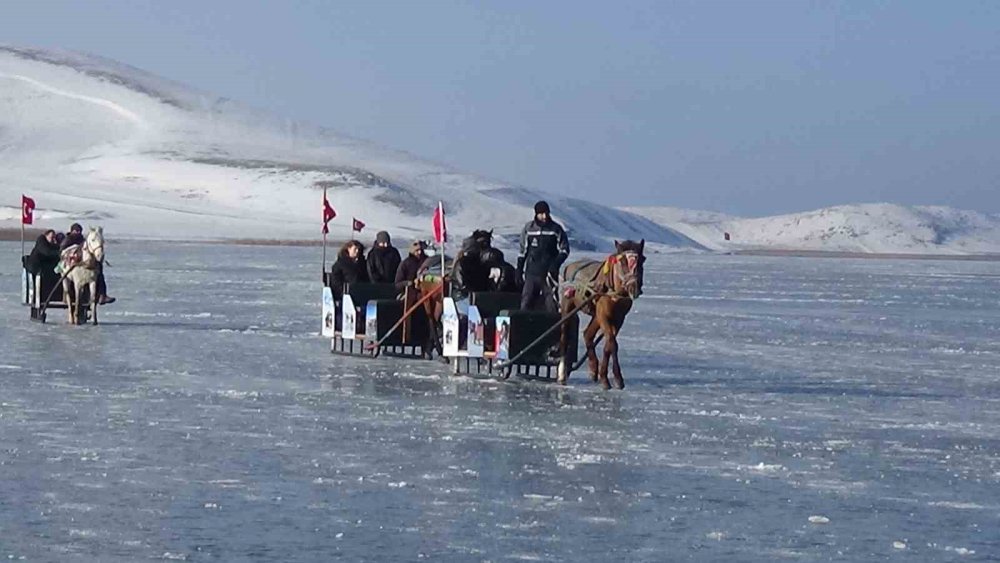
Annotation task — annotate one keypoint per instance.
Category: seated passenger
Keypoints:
(349, 268)
(502, 276)
(383, 260)
(74, 236)
(469, 273)
(409, 268)
(44, 258)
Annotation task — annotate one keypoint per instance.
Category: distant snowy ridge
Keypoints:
(91, 138)
(880, 228)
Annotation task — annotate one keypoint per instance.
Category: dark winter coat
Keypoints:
(71, 239)
(469, 274)
(44, 256)
(346, 271)
(408, 270)
(383, 263)
(544, 247)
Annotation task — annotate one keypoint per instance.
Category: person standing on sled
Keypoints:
(544, 248)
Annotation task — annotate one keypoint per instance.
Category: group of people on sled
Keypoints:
(477, 267)
(49, 250)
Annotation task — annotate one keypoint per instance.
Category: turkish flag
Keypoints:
(357, 225)
(439, 226)
(27, 210)
(328, 213)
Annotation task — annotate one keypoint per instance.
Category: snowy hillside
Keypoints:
(869, 228)
(99, 141)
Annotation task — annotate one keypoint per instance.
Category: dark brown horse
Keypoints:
(612, 285)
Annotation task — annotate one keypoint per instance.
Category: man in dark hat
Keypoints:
(544, 248)
(383, 260)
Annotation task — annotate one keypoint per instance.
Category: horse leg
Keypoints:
(562, 373)
(93, 301)
(589, 336)
(617, 323)
(612, 344)
(78, 295)
(68, 299)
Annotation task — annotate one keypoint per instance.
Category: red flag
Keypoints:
(726, 235)
(328, 213)
(27, 210)
(357, 225)
(440, 228)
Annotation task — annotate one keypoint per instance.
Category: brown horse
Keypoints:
(612, 285)
(429, 280)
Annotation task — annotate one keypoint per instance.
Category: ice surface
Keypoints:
(204, 420)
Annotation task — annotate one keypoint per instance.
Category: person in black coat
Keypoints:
(74, 236)
(408, 269)
(383, 260)
(44, 256)
(349, 268)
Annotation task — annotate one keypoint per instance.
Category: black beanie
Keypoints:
(383, 236)
(541, 207)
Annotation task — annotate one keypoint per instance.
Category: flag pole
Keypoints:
(324, 230)
(444, 237)
(22, 234)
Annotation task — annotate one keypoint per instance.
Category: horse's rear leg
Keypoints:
(563, 371)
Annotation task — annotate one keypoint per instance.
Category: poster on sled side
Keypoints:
(503, 338)
(27, 287)
(348, 326)
(476, 333)
(449, 327)
(329, 324)
(371, 321)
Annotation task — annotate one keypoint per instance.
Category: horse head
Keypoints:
(627, 267)
(95, 243)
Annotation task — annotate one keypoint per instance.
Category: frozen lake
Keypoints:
(809, 409)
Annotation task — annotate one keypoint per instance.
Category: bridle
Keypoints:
(622, 270)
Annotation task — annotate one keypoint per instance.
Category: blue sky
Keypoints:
(745, 107)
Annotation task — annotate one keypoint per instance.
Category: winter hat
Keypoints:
(76, 227)
(541, 207)
(383, 236)
(417, 245)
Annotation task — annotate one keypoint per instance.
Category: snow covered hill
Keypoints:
(95, 140)
(869, 228)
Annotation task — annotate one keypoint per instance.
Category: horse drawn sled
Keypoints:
(75, 290)
(491, 336)
(495, 338)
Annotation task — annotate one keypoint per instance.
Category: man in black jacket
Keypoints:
(383, 260)
(544, 247)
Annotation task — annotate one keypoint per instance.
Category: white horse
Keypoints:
(82, 265)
